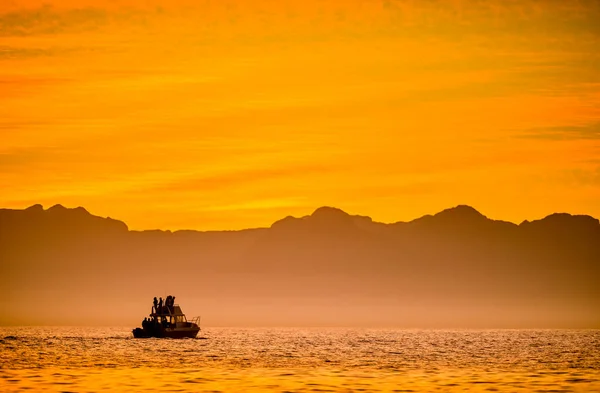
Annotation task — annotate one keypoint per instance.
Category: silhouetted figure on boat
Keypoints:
(155, 302)
(160, 304)
(172, 304)
(168, 303)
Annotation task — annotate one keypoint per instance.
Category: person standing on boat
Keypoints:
(172, 303)
(155, 302)
(160, 304)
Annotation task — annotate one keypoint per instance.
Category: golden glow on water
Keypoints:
(215, 379)
(228, 359)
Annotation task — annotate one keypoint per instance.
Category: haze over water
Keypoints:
(288, 359)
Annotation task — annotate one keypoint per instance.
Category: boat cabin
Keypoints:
(172, 316)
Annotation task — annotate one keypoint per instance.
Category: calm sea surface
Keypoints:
(234, 359)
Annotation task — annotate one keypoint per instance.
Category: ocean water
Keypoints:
(78, 359)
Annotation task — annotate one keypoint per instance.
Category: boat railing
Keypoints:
(195, 320)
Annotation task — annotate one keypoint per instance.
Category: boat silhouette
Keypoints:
(168, 322)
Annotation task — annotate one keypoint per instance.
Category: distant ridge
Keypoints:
(76, 219)
(326, 215)
(455, 268)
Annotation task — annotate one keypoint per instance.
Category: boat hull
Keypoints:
(160, 332)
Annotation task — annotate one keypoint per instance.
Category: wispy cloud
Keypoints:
(15, 52)
(48, 20)
(560, 133)
(239, 176)
(587, 177)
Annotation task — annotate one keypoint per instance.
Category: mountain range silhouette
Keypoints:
(456, 268)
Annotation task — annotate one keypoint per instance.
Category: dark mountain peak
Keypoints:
(564, 220)
(284, 222)
(329, 217)
(461, 212)
(329, 213)
(35, 219)
(324, 214)
(57, 208)
(462, 217)
(78, 211)
(458, 214)
(326, 218)
(566, 217)
(82, 210)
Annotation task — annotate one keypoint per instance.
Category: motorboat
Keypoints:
(168, 321)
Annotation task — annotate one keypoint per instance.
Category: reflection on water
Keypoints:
(94, 359)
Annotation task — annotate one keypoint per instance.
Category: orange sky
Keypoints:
(225, 114)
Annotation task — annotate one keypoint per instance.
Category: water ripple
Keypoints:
(76, 359)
